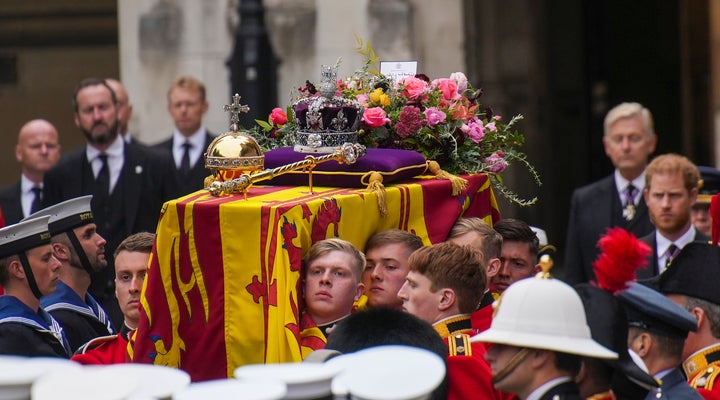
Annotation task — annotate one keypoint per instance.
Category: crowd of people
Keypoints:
(76, 247)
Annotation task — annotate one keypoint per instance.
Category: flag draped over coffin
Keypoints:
(223, 282)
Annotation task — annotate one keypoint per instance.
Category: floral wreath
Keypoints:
(441, 118)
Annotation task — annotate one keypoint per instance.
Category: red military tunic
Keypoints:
(105, 349)
(469, 375)
(702, 369)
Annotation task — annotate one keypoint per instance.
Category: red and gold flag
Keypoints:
(223, 283)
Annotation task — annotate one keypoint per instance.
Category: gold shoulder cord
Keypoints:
(459, 345)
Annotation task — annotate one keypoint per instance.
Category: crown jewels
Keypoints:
(326, 121)
(234, 152)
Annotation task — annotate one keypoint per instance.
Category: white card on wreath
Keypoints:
(398, 69)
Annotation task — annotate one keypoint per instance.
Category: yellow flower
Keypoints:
(378, 98)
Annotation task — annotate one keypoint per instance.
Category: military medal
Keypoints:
(629, 196)
(629, 211)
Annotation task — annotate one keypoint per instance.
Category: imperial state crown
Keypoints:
(325, 120)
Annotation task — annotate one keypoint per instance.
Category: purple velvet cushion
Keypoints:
(394, 165)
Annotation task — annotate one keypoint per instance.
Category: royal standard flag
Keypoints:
(223, 282)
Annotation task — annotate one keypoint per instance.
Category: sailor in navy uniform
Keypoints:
(28, 271)
(80, 249)
(658, 329)
(692, 281)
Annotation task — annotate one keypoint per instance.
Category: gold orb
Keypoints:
(232, 154)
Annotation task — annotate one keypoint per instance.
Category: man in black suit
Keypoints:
(129, 183)
(187, 105)
(615, 200)
(125, 109)
(671, 190)
(37, 151)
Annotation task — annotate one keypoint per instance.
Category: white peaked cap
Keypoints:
(233, 389)
(85, 383)
(154, 381)
(541, 235)
(303, 380)
(388, 373)
(17, 374)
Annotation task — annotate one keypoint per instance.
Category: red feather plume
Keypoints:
(621, 254)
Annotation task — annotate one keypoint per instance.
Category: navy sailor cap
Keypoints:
(67, 215)
(25, 235)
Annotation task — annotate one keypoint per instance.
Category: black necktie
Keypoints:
(670, 254)
(185, 162)
(102, 181)
(37, 200)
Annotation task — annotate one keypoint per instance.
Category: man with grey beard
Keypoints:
(129, 183)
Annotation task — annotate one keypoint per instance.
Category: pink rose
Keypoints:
(495, 162)
(375, 117)
(460, 80)
(278, 116)
(434, 116)
(448, 87)
(491, 127)
(474, 129)
(413, 88)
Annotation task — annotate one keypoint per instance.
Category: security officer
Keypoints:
(539, 334)
(610, 379)
(81, 251)
(700, 212)
(28, 271)
(657, 330)
(692, 281)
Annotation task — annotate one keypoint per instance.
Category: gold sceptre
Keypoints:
(348, 153)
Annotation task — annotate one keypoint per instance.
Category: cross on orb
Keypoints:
(235, 109)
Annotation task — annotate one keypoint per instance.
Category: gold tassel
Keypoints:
(458, 184)
(376, 186)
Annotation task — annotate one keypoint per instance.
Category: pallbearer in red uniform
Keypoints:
(692, 281)
(131, 260)
(477, 233)
(444, 285)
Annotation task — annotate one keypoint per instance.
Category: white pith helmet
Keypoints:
(543, 314)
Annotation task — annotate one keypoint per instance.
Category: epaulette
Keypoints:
(706, 379)
(459, 345)
(94, 343)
